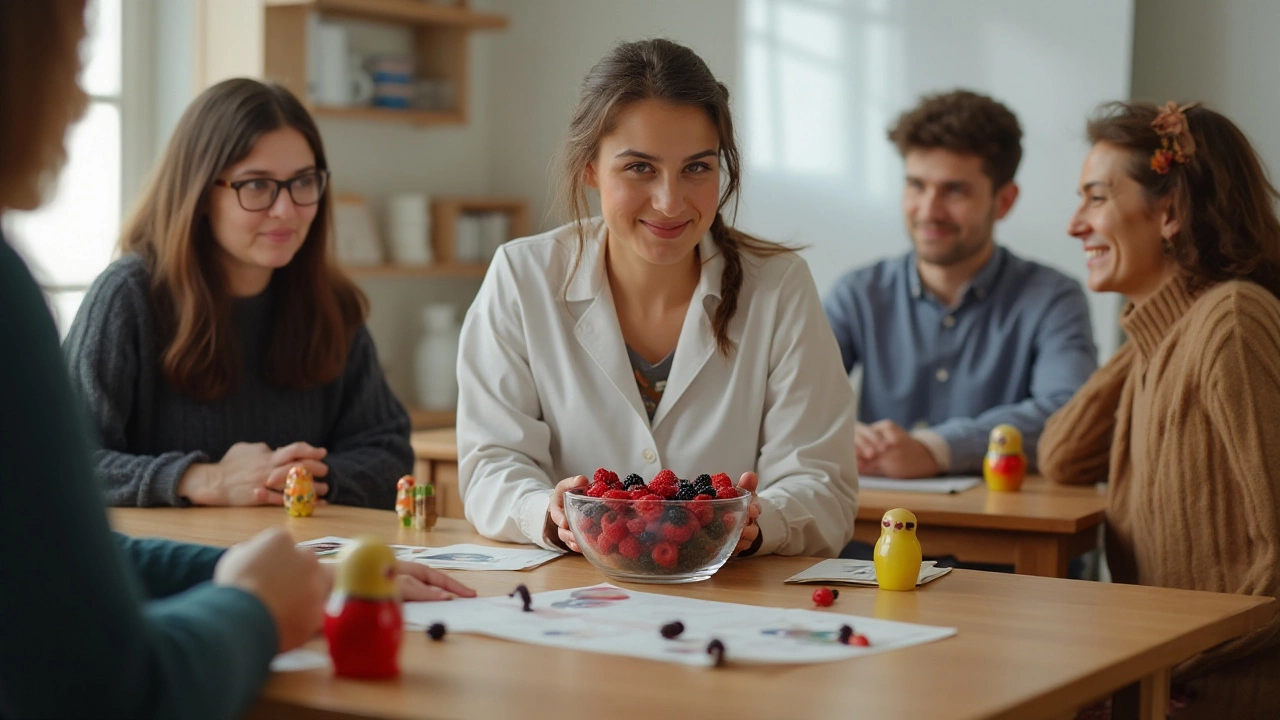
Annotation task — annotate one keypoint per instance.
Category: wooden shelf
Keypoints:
(471, 270)
(410, 116)
(409, 12)
(427, 419)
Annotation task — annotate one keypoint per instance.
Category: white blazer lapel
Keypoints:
(697, 339)
(597, 329)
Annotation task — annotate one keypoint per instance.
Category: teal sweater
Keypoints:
(91, 624)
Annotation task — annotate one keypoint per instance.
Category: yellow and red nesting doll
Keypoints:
(362, 620)
(1005, 465)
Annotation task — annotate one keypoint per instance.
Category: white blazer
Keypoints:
(547, 392)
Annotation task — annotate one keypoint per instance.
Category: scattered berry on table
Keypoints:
(861, 641)
(715, 649)
(823, 597)
(523, 592)
(846, 633)
(672, 630)
(436, 631)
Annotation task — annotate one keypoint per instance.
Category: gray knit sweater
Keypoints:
(151, 433)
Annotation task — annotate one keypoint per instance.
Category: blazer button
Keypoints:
(942, 374)
(650, 456)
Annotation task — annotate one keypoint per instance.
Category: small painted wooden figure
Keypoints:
(897, 553)
(424, 507)
(362, 620)
(299, 492)
(404, 500)
(1005, 465)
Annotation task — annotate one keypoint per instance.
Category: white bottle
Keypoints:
(437, 359)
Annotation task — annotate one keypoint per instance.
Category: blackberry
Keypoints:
(715, 649)
(523, 592)
(647, 539)
(632, 482)
(686, 491)
(703, 478)
(846, 634)
(704, 487)
(436, 631)
(676, 515)
(672, 630)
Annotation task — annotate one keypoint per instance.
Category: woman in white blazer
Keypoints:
(656, 336)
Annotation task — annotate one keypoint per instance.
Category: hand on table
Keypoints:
(886, 450)
(288, 581)
(252, 474)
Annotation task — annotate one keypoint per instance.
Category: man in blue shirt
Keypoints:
(959, 335)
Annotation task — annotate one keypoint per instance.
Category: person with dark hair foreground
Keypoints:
(1177, 215)
(959, 335)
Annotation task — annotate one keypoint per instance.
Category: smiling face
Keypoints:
(949, 205)
(252, 244)
(658, 173)
(1123, 233)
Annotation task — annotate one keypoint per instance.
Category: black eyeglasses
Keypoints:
(257, 194)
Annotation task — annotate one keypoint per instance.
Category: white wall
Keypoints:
(822, 82)
(1222, 52)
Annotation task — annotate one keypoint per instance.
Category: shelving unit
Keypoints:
(269, 39)
(470, 270)
(445, 212)
(429, 419)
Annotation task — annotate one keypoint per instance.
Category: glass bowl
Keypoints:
(656, 541)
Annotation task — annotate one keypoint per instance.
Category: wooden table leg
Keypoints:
(1041, 554)
(1147, 699)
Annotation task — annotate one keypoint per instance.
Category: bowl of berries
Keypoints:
(667, 530)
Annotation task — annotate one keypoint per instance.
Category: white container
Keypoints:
(437, 359)
(409, 228)
(469, 236)
(495, 230)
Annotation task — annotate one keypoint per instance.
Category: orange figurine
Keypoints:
(299, 492)
(404, 500)
(362, 620)
(1005, 465)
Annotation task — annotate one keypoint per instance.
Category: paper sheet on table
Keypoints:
(299, 659)
(617, 621)
(858, 572)
(463, 556)
(941, 486)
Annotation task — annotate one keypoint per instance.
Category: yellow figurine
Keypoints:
(404, 500)
(299, 492)
(897, 551)
(363, 621)
(1005, 465)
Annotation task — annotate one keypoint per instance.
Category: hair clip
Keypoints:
(1176, 143)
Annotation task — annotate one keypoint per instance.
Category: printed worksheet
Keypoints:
(450, 557)
(608, 619)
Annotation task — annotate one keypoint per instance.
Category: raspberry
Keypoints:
(679, 533)
(611, 519)
(636, 525)
(629, 547)
(666, 554)
(726, 493)
(861, 641)
(823, 597)
(637, 493)
(632, 482)
(664, 476)
(602, 476)
(621, 496)
(701, 511)
(703, 496)
(729, 520)
(665, 490)
(721, 480)
(649, 508)
(597, 490)
(585, 523)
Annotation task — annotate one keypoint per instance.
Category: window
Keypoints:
(71, 239)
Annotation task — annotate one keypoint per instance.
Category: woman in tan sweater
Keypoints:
(1177, 215)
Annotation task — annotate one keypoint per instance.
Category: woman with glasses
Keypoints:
(224, 347)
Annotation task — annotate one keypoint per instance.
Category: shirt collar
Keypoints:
(589, 278)
(981, 285)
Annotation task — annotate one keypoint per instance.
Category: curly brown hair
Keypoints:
(964, 122)
(1221, 199)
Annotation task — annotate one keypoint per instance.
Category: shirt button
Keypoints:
(942, 375)
(948, 321)
(650, 456)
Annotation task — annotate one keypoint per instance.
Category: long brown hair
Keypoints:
(1221, 199)
(39, 94)
(660, 70)
(317, 308)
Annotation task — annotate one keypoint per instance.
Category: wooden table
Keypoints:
(1027, 647)
(1037, 530)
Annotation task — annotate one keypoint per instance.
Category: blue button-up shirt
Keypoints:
(1015, 348)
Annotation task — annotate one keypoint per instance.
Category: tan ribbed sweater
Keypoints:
(1184, 422)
